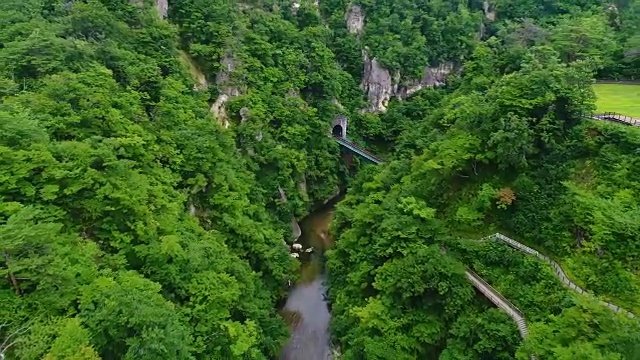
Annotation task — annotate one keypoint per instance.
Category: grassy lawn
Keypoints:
(622, 99)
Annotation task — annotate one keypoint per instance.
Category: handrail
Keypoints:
(487, 290)
(557, 269)
(366, 154)
(479, 283)
(615, 117)
(499, 300)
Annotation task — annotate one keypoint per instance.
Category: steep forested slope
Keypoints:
(131, 227)
(151, 160)
(505, 147)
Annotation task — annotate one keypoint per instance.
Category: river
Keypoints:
(306, 310)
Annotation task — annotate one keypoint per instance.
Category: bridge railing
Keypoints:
(358, 149)
(495, 297)
(615, 117)
(556, 268)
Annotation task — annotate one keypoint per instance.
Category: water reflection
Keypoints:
(306, 310)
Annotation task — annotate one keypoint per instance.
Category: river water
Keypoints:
(306, 310)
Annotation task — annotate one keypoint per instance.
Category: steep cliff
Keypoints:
(227, 89)
(381, 84)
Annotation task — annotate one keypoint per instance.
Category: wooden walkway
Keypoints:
(617, 118)
(500, 301)
(480, 284)
(560, 274)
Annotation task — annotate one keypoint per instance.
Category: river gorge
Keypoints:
(306, 310)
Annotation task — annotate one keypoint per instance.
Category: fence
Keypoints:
(557, 269)
(358, 149)
(495, 297)
(619, 118)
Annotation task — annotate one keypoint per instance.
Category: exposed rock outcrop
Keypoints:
(614, 15)
(201, 82)
(227, 89)
(337, 103)
(336, 192)
(163, 8)
(489, 11)
(218, 109)
(355, 19)
(283, 196)
(244, 114)
(377, 84)
(303, 186)
(380, 86)
(295, 5)
(432, 77)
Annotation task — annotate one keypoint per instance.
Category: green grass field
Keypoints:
(622, 99)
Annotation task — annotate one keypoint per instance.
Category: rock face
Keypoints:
(489, 11)
(295, 229)
(614, 15)
(163, 8)
(244, 114)
(302, 185)
(377, 84)
(380, 86)
(432, 77)
(355, 19)
(295, 5)
(218, 109)
(201, 82)
(227, 90)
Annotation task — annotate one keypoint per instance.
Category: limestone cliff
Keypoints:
(377, 84)
(432, 77)
(355, 19)
(163, 8)
(489, 11)
(380, 86)
(295, 227)
(227, 89)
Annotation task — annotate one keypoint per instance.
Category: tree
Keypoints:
(129, 319)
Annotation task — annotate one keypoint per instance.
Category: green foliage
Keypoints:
(596, 337)
(500, 148)
(129, 225)
(133, 225)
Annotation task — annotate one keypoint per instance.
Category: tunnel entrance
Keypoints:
(337, 131)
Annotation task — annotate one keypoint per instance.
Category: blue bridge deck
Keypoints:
(358, 150)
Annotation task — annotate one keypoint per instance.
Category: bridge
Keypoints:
(339, 133)
(617, 118)
(560, 274)
(358, 150)
(500, 301)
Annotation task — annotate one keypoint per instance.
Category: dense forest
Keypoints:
(153, 156)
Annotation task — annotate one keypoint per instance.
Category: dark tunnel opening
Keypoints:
(337, 131)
